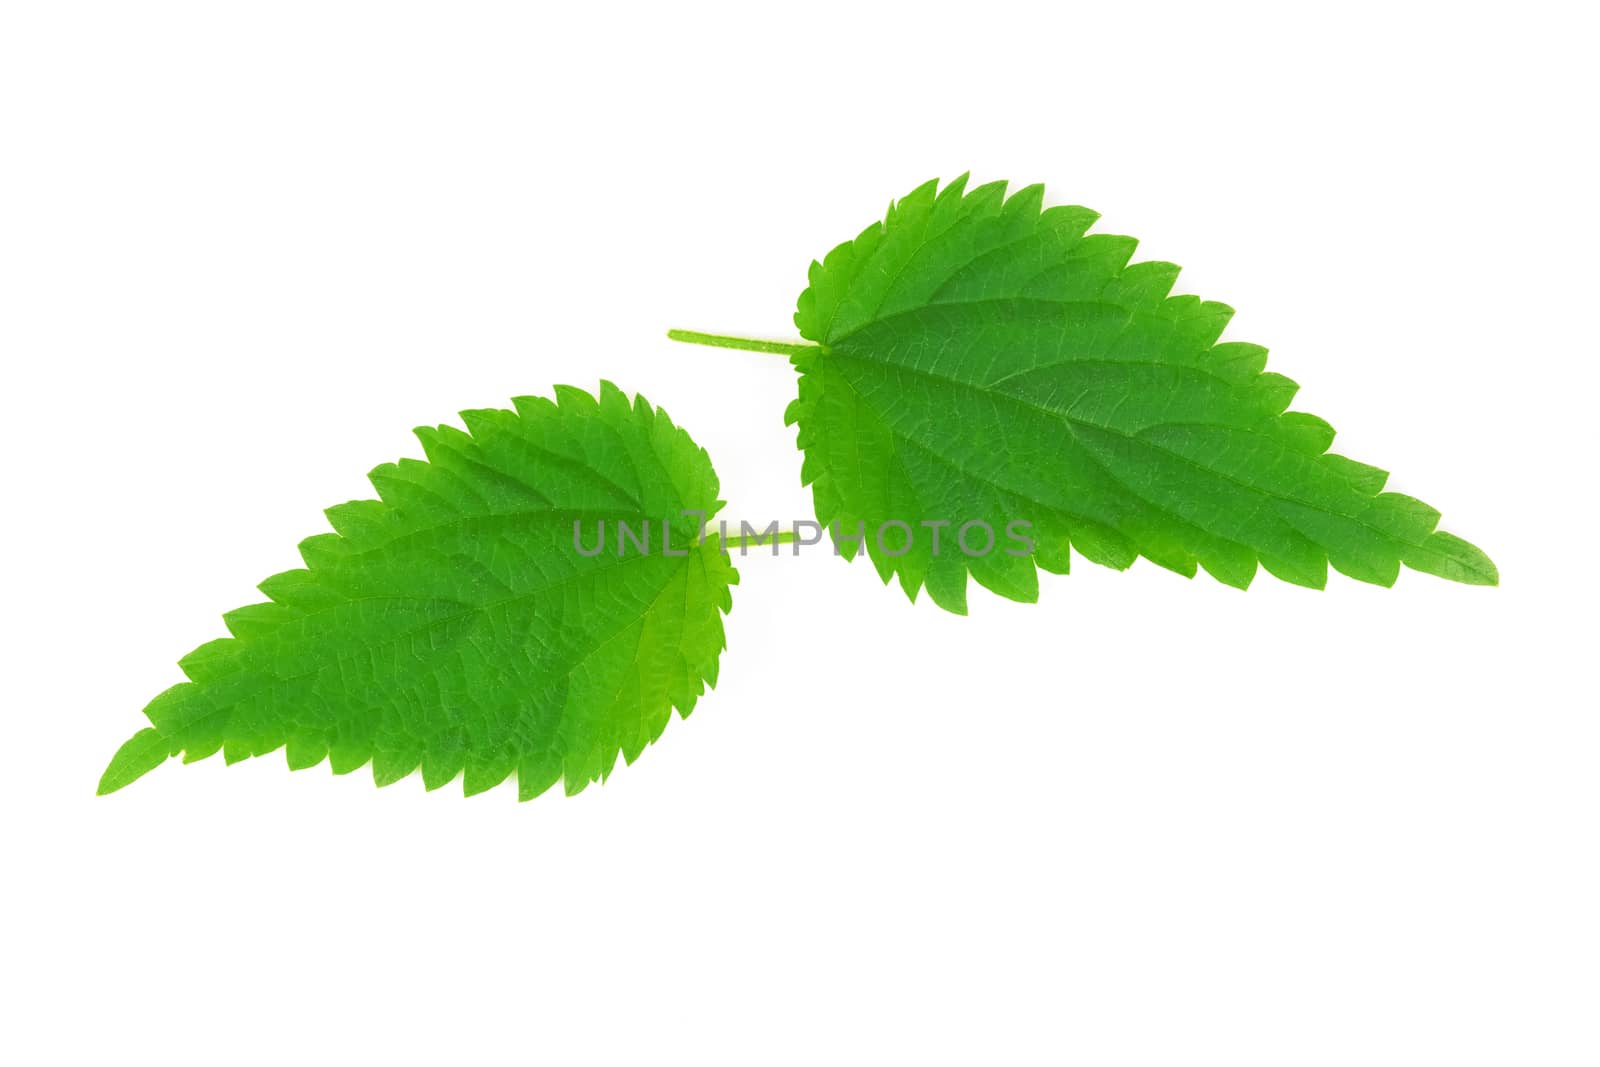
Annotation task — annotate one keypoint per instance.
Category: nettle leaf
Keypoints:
(458, 624)
(982, 359)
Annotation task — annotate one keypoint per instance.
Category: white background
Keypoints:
(1147, 821)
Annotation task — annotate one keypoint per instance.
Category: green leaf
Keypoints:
(981, 359)
(460, 623)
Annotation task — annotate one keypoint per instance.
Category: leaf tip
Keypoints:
(138, 756)
(1444, 555)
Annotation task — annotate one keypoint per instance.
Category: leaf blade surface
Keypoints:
(455, 625)
(985, 360)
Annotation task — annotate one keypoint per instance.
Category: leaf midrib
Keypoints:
(467, 611)
(1070, 421)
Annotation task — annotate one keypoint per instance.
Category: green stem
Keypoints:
(745, 343)
(739, 544)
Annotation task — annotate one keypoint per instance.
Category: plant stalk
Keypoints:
(748, 344)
